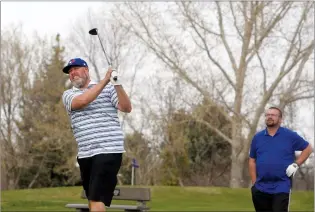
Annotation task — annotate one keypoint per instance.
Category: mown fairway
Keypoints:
(163, 199)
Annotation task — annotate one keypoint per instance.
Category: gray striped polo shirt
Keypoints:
(96, 127)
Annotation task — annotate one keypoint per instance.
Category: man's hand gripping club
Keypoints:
(111, 75)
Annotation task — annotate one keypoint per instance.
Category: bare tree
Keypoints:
(255, 53)
(113, 38)
(19, 58)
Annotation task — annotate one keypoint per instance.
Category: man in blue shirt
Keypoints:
(272, 163)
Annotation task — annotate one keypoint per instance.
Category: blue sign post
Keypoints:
(134, 165)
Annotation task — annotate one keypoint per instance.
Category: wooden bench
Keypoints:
(140, 195)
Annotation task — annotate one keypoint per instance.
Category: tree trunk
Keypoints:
(4, 181)
(237, 169)
(38, 171)
(246, 177)
(180, 181)
(11, 184)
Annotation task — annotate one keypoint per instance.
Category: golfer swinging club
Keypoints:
(92, 108)
(272, 163)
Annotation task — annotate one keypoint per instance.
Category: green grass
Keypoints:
(163, 199)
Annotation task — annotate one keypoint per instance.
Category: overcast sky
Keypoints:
(47, 18)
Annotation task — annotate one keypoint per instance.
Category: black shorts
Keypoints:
(99, 176)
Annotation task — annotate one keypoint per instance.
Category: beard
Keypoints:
(78, 82)
(271, 123)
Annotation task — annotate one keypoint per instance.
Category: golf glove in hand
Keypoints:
(291, 170)
(113, 75)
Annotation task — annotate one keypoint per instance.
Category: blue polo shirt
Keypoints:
(273, 155)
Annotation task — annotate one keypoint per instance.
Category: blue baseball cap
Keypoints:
(74, 62)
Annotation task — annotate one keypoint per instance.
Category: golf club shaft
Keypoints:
(104, 50)
(94, 32)
(109, 64)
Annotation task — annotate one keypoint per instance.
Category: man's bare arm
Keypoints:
(88, 96)
(91, 94)
(252, 169)
(124, 104)
(304, 155)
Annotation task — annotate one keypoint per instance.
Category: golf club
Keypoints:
(94, 32)
(291, 187)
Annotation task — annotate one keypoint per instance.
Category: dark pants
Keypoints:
(99, 176)
(270, 202)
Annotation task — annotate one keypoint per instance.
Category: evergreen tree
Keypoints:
(193, 154)
(46, 129)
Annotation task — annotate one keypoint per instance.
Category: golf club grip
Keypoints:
(115, 77)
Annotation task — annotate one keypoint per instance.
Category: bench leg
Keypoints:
(83, 210)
